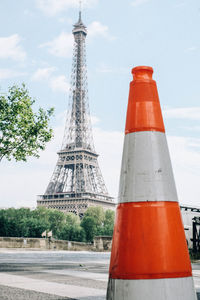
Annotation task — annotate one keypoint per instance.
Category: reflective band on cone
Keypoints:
(149, 258)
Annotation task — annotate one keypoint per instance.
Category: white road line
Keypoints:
(64, 290)
(80, 274)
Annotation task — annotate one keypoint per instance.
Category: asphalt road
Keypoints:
(53, 275)
(42, 275)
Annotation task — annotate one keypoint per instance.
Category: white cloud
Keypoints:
(190, 113)
(61, 46)
(10, 73)
(10, 48)
(94, 120)
(31, 178)
(104, 68)
(108, 145)
(53, 7)
(43, 74)
(60, 84)
(98, 29)
(185, 155)
(191, 49)
(66, 20)
(180, 4)
(185, 152)
(56, 83)
(138, 2)
(192, 128)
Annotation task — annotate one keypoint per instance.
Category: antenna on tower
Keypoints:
(80, 9)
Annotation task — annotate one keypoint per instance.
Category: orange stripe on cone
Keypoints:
(149, 242)
(144, 112)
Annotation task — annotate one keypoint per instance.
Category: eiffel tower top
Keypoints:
(78, 132)
(79, 26)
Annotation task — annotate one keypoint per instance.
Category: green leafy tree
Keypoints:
(109, 222)
(41, 213)
(72, 231)
(56, 220)
(92, 222)
(24, 222)
(21, 216)
(72, 219)
(34, 228)
(97, 213)
(90, 228)
(23, 133)
(3, 223)
(12, 223)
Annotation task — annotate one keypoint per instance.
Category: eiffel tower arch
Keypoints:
(77, 182)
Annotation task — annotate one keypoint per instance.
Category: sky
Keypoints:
(36, 45)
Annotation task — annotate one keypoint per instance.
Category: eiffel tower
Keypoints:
(77, 182)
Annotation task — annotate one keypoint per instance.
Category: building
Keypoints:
(77, 182)
(188, 213)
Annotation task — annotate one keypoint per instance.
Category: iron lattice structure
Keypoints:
(77, 182)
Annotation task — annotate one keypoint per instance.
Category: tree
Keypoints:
(92, 222)
(97, 213)
(24, 222)
(3, 223)
(56, 220)
(109, 222)
(23, 133)
(72, 219)
(90, 228)
(72, 231)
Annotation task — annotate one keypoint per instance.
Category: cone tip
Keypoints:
(142, 73)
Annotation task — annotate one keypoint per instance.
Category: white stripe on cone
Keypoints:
(151, 289)
(146, 172)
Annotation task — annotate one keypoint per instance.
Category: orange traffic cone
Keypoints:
(149, 258)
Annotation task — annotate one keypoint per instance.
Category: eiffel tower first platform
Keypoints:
(77, 182)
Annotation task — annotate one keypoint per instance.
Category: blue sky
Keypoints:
(36, 48)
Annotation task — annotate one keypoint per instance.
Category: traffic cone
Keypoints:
(149, 258)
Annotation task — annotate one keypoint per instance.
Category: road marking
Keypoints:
(80, 274)
(63, 290)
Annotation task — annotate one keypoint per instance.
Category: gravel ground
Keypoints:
(8, 293)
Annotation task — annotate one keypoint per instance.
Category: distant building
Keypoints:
(188, 213)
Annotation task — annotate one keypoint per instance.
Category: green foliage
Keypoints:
(23, 133)
(108, 222)
(72, 219)
(76, 232)
(97, 213)
(72, 231)
(89, 225)
(97, 222)
(56, 220)
(26, 223)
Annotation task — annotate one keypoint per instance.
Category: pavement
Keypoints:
(53, 275)
(42, 275)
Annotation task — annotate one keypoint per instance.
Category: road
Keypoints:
(42, 275)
